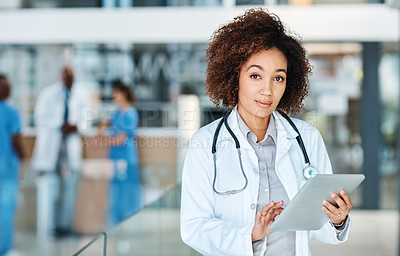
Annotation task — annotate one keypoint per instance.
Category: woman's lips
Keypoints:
(264, 104)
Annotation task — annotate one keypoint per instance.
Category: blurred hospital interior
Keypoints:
(157, 48)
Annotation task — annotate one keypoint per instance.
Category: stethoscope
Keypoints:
(309, 170)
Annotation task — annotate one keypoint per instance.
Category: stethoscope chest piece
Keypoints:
(309, 171)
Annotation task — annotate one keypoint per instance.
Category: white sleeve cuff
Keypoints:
(339, 230)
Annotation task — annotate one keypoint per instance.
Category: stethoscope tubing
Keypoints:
(308, 171)
(298, 138)
(214, 151)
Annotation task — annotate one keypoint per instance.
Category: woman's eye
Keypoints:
(279, 79)
(255, 76)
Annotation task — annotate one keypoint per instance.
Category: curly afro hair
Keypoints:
(234, 43)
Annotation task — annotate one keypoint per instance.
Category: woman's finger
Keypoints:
(269, 218)
(331, 208)
(267, 207)
(275, 210)
(332, 217)
(272, 213)
(339, 201)
(258, 218)
(346, 197)
(279, 204)
(278, 211)
(271, 205)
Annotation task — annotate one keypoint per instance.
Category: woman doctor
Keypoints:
(258, 69)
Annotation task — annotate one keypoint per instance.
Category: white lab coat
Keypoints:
(49, 117)
(216, 224)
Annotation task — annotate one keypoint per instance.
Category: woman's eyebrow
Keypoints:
(255, 66)
(261, 68)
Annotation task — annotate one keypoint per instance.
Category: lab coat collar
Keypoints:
(62, 90)
(285, 136)
(247, 133)
(283, 128)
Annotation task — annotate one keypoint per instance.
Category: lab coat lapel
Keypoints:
(284, 167)
(249, 158)
(233, 123)
(285, 136)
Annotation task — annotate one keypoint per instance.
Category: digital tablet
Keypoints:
(304, 212)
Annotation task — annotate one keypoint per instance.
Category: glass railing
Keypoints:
(152, 231)
(96, 247)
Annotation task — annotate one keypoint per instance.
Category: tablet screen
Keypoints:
(304, 211)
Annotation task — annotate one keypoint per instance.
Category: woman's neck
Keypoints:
(124, 106)
(257, 125)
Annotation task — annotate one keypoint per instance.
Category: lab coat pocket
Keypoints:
(232, 207)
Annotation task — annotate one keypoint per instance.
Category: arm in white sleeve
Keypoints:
(341, 233)
(200, 228)
(85, 111)
(42, 111)
(328, 233)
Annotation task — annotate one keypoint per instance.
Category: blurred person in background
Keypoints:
(124, 191)
(10, 154)
(60, 118)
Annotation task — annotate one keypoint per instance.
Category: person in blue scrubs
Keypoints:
(10, 154)
(125, 190)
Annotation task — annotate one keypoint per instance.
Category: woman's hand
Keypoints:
(67, 128)
(98, 140)
(100, 129)
(338, 215)
(101, 126)
(264, 219)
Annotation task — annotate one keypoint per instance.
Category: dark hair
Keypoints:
(234, 43)
(5, 88)
(118, 85)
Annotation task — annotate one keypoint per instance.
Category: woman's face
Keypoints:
(119, 97)
(262, 82)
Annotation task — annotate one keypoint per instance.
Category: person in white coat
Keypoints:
(60, 117)
(261, 72)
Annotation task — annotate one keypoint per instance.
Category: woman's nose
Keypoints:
(266, 88)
